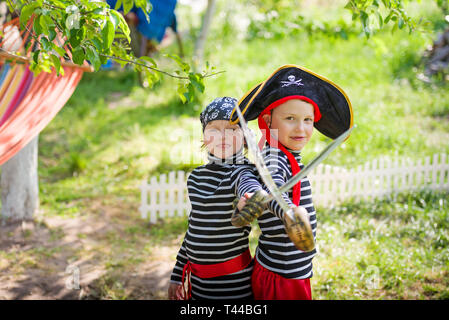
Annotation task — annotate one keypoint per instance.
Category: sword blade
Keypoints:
(312, 164)
(253, 149)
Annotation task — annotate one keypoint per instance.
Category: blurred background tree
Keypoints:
(95, 33)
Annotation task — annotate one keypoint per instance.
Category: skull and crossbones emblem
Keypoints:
(292, 81)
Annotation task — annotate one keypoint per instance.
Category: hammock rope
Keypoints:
(28, 102)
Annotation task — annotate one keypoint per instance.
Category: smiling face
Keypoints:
(292, 123)
(223, 139)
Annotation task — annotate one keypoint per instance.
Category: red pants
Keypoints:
(268, 285)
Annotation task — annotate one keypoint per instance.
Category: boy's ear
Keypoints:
(267, 119)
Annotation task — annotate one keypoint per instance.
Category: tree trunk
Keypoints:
(201, 40)
(19, 184)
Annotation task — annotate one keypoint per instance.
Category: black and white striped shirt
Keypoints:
(275, 251)
(210, 237)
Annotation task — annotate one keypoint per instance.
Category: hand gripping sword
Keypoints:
(296, 220)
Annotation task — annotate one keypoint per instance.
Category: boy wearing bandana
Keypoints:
(288, 105)
(214, 258)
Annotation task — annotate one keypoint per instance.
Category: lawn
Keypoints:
(112, 134)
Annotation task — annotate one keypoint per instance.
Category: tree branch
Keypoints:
(206, 75)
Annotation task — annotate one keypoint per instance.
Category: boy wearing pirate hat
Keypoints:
(288, 105)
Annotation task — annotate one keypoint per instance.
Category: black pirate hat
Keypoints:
(333, 110)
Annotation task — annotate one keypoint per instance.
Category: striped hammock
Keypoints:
(28, 102)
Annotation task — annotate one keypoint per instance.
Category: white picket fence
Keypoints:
(330, 184)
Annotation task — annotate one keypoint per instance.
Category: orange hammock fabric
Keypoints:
(27, 102)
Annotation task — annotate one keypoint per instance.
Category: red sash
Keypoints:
(213, 270)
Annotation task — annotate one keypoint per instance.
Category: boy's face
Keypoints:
(223, 139)
(292, 123)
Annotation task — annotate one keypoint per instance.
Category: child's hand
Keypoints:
(242, 200)
(175, 291)
(253, 206)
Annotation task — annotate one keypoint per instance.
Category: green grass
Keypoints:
(390, 249)
(112, 134)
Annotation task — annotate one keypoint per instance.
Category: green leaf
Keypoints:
(145, 6)
(114, 19)
(74, 40)
(27, 46)
(149, 60)
(81, 33)
(184, 66)
(98, 44)
(73, 21)
(388, 18)
(78, 55)
(181, 91)
(118, 4)
(148, 77)
(46, 24)
(34, 67)
(348, 5)
(58, 49)
(364, 17)
(93, 57)
(72, 9)
(197, 81)
(57, 63)
(401, 23)
(26, 12)
(37, 26)
(51, 34)
(156, 76)
(100, 12)
(36, 56)
(127, 6)
(190, 94)
(108, 33)
(122, 24)
(103, 59)
(45, 63)
(395, 27)
(46, 44)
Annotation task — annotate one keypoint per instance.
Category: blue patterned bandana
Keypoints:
(219, 109)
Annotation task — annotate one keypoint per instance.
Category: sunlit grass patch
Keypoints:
(383, 249)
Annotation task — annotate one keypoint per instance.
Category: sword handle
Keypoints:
(253, 208)
(297, 225)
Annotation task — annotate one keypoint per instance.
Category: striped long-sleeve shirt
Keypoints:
(276, 252)
(210, 237)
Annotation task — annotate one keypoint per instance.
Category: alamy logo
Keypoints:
(292, 81)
